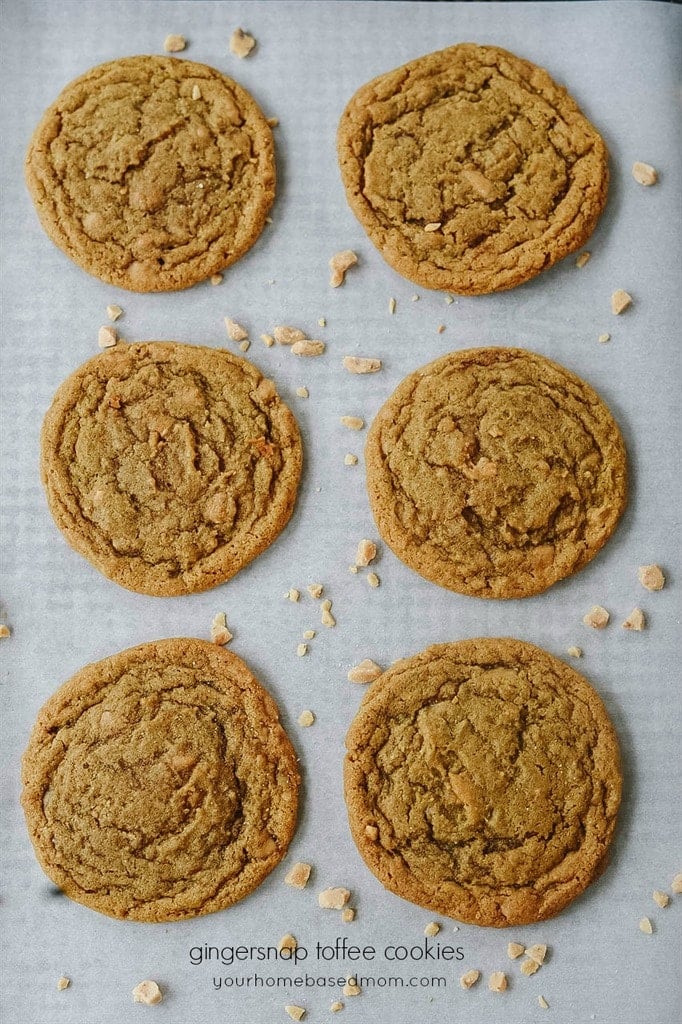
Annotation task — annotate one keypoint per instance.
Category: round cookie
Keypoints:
(482, 781)
(159, 783)
(168, 466)
(152, 173)
(471, 170)
(495, 472)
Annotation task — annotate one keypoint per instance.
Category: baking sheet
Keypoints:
(621, 61)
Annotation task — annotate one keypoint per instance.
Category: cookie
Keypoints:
(471, 170)
(152, 173)
(168, 466)
(495, 472)
(482, 781)
(159, 783)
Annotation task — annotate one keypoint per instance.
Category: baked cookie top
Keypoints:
(482, 781)
(470, 169)
(495, 472)
(152, 173)
(159, 783)
(168, 466)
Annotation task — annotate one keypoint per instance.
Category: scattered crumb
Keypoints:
(651, 577)
(306, 718)
(529, 967)
(295, 1012)
(322, 322)
(235, 331)
(661, 899)
(414, 298)
(5, 631)
(244, 345)
(635, 620)
(216, 279)
(267, 340)
(347, 915)
(366, 553)
(497, 981)
(106, 337)
(114, 312)
(174, 44)
(543, 1003)
(575, 652)
(298, 875)
(372, 832)
(597, 617)
(676, 884)
(293, 595)
(220, 634)
(335, 1007)
(302, 392)
(391, 306)
(353, 422)
(514, 950)
(603, 338)
(365, 672)
(537, 953)
(350, 460)
(241, 43)
(302, 650)
(646, 926)
(582, 259)
(432, 929)
(315, 590)
(309, 634)
(351, 988)
(326, 615)
(333, 899)
(620, 300)
(440, 328)
(373, 580)
(433, 226)
(353, 569)
(339, 264)
(356, 364)
(273, 121)
(449, 299)
(63, 983)
(308, 348)
(147, 992)
(288, 335)
(287, 942)
(644, 174)
(469, 979)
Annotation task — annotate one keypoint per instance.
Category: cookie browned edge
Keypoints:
(221, 565)
(37, 172)
(88, 681)
(413, 554)
(392, 871)
(355, 126)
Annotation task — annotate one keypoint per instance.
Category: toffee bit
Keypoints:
(372, 832)
(302, 393)
(635, 620)
(351, 988)
(497, 981)
(306, 718)
(432, 929)
(235, 331)
(114, 312)
(307, 347)
(298, 875)
(288, 335)
(469, 979)
(302, 650)
(676, 884)
(651, 577)
(63, 983)
(347, 915)
(5, 631)
(315, 590)
(358, 364)
(295, 1012)
(220, 634)
(241, 43)
(646, 926)
(529, 967)
(325, 614)
(575, 652)
(339, 264)
(644, 174)
(364, 672)
(538, 952)
(603, 338)
(333, 899)
(373, 580)
(106, 337)
(543, 1003)
(288, 942)
(391, 306)
(366, 552)
(352, 422)
(620, 300)
(582, 259)
(350, 460)
(147, 992)
(661, 899)
(174, 44)
(597, 617)
(293, 595)
(216, 279)
(515, 950)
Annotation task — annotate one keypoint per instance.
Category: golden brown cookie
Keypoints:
(152, 173)
(169, 467)
(470, 169)
(495, 472)
(482, 781)
(159, 783)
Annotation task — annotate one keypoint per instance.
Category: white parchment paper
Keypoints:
(621, 61)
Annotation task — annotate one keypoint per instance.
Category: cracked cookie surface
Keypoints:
(495, 472)
(470, 169)
(169, 467)
(159, 783)
(483, 781)
(152, 173)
